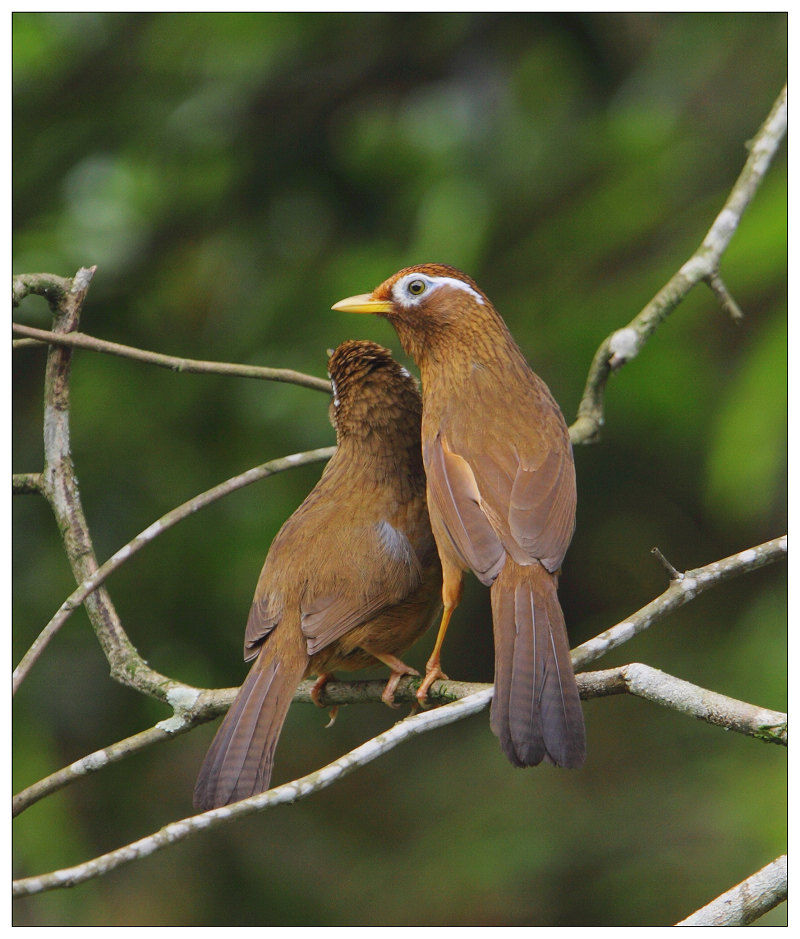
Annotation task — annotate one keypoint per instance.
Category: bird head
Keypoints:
(425, 303)
(427, 291)
(369, 387)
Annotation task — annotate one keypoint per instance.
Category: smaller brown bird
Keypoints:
(501, 495)
(351, 580)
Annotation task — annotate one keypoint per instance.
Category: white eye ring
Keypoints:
(403, 294)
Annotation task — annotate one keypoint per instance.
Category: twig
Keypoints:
(726, 300)
(684, 587)
(26, 483)
(287, 793)
(54, 289)
(125, 665)
(747, 901)
(674, 573)
(90, 764)
(624, 344)
(77, 340)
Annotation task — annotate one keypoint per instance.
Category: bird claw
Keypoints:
(333, 712)
(431, 675)
(316, 693)
(391, 685)
(318, 687)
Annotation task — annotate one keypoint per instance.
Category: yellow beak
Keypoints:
(363, 303)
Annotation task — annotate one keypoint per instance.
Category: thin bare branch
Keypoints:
(747, 901)
(724, 296)
(679, 695)
(674, 573)
(703, 266)
(79, 340)
(684, 587)
(88, 764)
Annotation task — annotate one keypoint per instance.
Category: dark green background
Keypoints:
(234, 175)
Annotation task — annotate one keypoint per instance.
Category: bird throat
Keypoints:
(460, 352)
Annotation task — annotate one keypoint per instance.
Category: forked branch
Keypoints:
(703, 266)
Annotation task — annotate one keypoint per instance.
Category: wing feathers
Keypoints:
(454, 493)
(541, 511)
(487, 512)
(264, 615)
(382, 570)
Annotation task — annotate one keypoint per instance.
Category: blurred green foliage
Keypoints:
(233, 175)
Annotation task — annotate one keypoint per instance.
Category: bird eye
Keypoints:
(416, 287)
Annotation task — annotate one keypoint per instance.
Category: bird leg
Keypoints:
(433, 671)
(322, 679)
(399, 669)
(452, 586)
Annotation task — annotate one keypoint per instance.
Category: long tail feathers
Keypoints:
(239, 762)
(536, 711)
